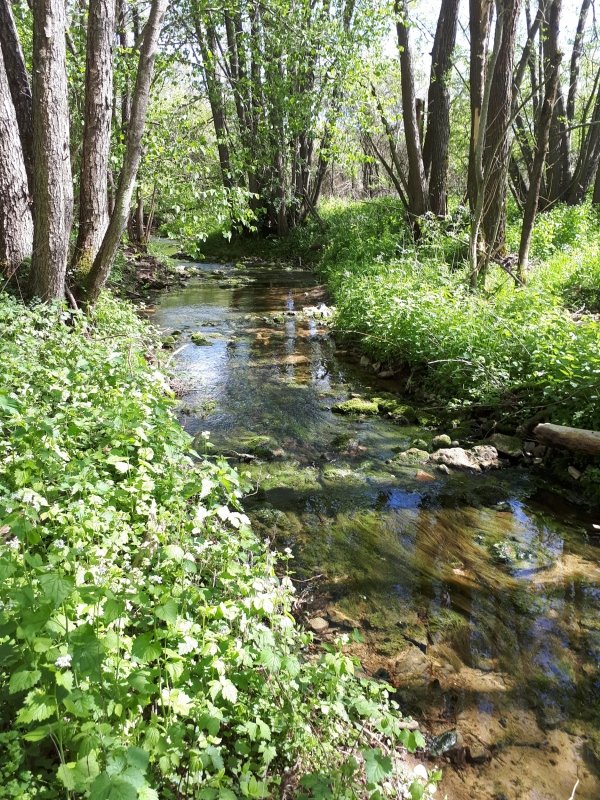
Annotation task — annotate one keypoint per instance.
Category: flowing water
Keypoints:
(477, 595)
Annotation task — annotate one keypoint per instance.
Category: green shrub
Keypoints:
(148, 648)
(408, 303)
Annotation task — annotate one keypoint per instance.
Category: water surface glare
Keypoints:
(477, 595)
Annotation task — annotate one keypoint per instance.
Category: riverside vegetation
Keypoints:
(148, 648)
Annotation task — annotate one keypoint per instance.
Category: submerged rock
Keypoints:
(443, 744)
(200, 340)
(411, 457)
(476, 459)
(356, 405)
(262, 447)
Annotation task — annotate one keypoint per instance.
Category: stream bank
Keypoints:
(475, 593)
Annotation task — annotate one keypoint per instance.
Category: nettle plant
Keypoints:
(148, 646)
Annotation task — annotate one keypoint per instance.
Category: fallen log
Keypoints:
(571, 438)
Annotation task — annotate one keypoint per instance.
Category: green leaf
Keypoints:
(167, 612)
(112, 787)
(56, 587)
(377, 766)
(229, 691)
(20, 681)
(137, 757)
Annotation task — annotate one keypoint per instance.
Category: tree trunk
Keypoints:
(480, 15)
(551, 72)
(208, 48)
(16, 226)
(18, 80)
(583, 441)
(437, 138)
(575, 59)
(558, 173)
(133, 153)
(52, 180)
(418, 200)
(497, 135)
(93, 193)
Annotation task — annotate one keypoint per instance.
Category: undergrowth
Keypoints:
(518, 348)
(148, 648)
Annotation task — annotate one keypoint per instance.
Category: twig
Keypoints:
(572, 797)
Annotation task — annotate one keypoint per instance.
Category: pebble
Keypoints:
(318, 624)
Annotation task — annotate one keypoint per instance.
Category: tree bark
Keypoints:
(480, 16)
(16, 226)
(18, 80)
(133, 153)
(418, 199)
(550, 31)
(93, 189)
(583, 441)
(437, 138)
(576, 54)
(52, 179)
(497, 135)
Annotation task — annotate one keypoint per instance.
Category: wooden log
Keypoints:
(571, 438)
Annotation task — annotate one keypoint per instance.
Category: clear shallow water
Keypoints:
(478, 596)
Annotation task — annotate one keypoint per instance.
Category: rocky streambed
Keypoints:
(475, 589)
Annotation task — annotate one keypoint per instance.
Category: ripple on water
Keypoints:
(476, 595)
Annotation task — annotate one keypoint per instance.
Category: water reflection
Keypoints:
(478, 596)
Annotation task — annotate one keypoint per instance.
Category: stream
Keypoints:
(477, 595)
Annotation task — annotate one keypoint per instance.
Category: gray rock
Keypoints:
(476, 459)
(574, 473)
(510, 446)
(318, 624)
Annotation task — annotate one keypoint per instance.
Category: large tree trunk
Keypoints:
(52, 180)
(133, 154)
(497, 135)
(16, 226)
(18, 80)
(418, 199)
(93, 188)
(437, 138)
(551, 71)
(480, 15)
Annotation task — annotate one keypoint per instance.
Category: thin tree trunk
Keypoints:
(476, 257)
(52, 180)
(16, 226)
(208, 48)
(437, 138)
(480, 15)
(417, 184)
(133, 153)
(93, 194)
(575, 59)
(18, 80)
(551, 70)
(497, 135)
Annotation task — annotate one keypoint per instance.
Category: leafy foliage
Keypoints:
(408, 303)
(148, 648)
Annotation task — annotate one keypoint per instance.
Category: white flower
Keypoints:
(205, 434)
(60, 543)
(155, 578)
(14, 544)
(63, 662)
